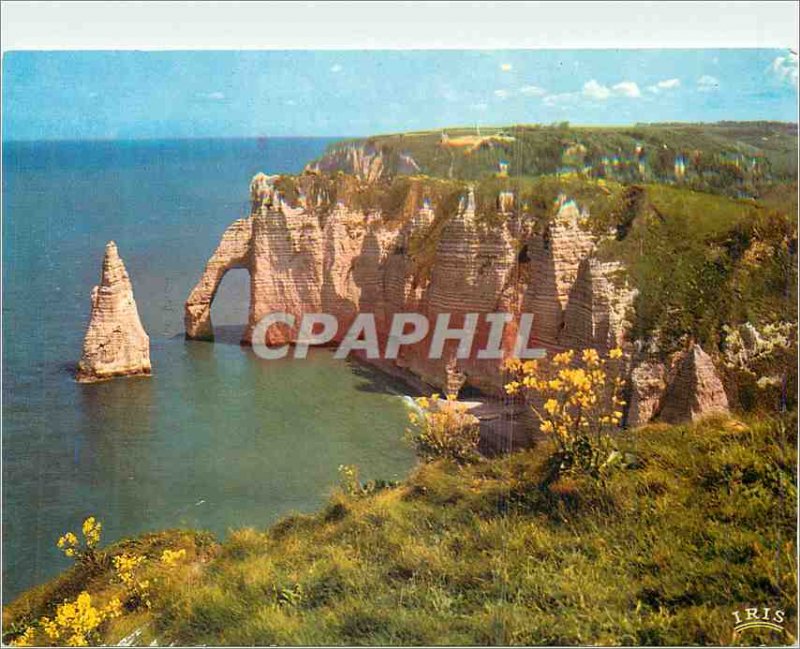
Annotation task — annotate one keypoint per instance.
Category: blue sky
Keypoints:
(133, 95)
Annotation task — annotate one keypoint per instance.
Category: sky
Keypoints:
(145, 95)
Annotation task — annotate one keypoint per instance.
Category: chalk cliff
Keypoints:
(116, 343)
(314, 245)
(320, 250)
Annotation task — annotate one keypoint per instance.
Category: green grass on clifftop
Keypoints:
(701, 524)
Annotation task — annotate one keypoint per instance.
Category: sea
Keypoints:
(216, 439)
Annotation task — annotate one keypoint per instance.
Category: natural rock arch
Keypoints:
(233, 251)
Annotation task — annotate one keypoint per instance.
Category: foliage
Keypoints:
(762, 360)
(137, 590)
(85, 551)
(83, 606)
(76, 623)
(577, 403)
(443, 428)
(736, 159)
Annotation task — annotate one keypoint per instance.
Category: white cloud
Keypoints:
(506, 67)
(560, 98)
(213, 96)
(336, 68)
(666, 84)
(592, 90)
(532, 91)
(502, 94)
(785, 69)
(627, 89)
(707, 83)
(595, 90)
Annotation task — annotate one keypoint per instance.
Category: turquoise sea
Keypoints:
(217, 438)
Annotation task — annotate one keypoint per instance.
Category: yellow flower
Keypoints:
(551, 405)
(546, 427)
(24, 640)
(114, 608)
(91, 531)
(590, 356)
(170, 557)
(564, 358)
(615, 353)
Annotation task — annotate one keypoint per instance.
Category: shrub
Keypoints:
(82, 551)
(443, 428)
(76, 623)
(577, 403)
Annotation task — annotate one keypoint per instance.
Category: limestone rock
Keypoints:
(556, 258)
(233, 252)
(326, 253)
(648, 383)
(596, 311)
(695, 389)
(116, 343)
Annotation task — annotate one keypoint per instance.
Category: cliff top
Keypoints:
(734, 158)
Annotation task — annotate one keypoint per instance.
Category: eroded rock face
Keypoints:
(695, 389)
(556, 258)
(116, 343)
(319, 255)
(647, 386)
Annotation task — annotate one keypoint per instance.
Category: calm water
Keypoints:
(216, 438)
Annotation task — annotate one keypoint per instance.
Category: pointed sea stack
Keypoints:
(116, 344)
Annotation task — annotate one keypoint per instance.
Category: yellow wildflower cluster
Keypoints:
(76, 623)
(91, 531)
(171, 557)
(68, 544)
(576, 398)
(71, 546)
(443, 428)
(126, 567)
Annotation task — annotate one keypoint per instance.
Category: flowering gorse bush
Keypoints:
(443, 428)
(576, 400)
(76, 623)
(126, 567)
(85, 551)
(79, 622)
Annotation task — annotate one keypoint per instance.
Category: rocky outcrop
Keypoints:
(365, 162)
(232, 252)
(597, 307)
(116, 343)
(323, 251)
(647, 386)
(695, 389)
(556, 257)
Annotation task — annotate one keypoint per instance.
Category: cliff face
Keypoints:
(330, 256)
(116, 343)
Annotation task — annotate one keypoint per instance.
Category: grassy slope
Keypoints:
(487, 554)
